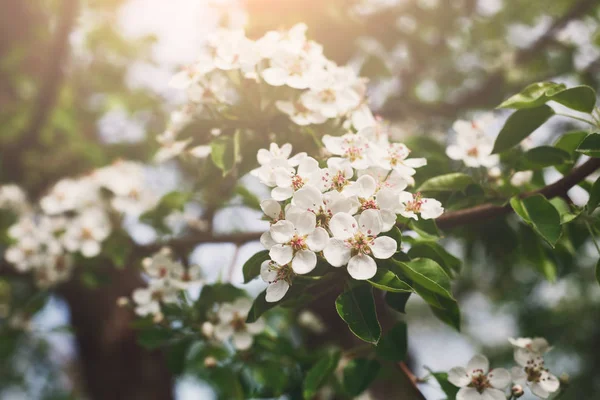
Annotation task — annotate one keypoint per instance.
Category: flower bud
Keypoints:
(210, 362)
(517, 391)
(207, 329)
(122, 301)
(564, 379)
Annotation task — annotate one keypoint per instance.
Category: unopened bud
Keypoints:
(210, 362)
(564, 379)
(122, 301)
(207, 329)
(517, 391)
(158, 317)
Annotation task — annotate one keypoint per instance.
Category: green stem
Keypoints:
(579, 119)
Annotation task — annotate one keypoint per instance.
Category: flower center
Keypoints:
(534, 369)
(297, 182)
(415, 204)
(354, 153)
(284, 273)
(328, 96)
(238, 323)
(473, 152)
(339, 181)
(298, 243)
(368, 204)
(480, 381)
(360, 243)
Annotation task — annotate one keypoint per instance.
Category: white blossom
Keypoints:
(354, 241)
(412, 205)
(477, 382)
(473, 146)
(279, 278)
(232, 324)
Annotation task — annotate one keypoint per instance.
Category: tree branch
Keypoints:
(485, 212)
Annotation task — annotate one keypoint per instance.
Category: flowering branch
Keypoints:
(485, 212)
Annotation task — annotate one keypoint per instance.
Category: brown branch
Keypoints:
(485, 212)
(192, 240)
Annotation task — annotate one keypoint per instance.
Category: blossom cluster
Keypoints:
(478, 382)
(229, 324)
(74, 216)
(291, 74)
(474, 148)
(166, 278)
(339, 210)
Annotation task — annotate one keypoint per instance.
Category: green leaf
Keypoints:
(564, 210)
(428, 274)
(520, 125)
(261, 305)
(358, 375)
(117, 248)
(225, 152)
(319, 373)
(448, 388)
(248, 198)
(594, 199)
(535, 254)
(590, 146)
(357, 308)
(598, 271)
(426, 228)
(437, 253)
(570, 141)
(172, 201)
(533, 95)
(579, 98)
(387, 280)
(544, 156)
(446, 311)
(251, 268)
(397, 300)
(455, 182)
(540, 214)
(154, 337)
(393, 346)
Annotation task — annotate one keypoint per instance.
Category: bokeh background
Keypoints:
(83, 83)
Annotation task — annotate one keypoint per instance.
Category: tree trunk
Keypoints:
(113, 365)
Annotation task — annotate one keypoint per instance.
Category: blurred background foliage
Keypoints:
(66, 74)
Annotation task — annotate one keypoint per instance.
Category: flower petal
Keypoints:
(309, 198)
(468, 393)
(223, 331)
(370, 222)
(384, 247)
(478, 364)
(282, 231)
(549, 382)
(343, 226)
(458, 377)
(271, 208)
(493, 394)
(304, 261)
(276, 291)
(242, 340)
(539, 391)
(499, 378)
(267, 273)
(336, 252)
(267, 241)
(281, 254)
(304, 222)
(362, 267)
(317, 240)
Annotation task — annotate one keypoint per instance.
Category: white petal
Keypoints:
(455, 152)
(274, 76)
(548, 382)
(223, 331)
(415, 162)
(468, 393)
(309, 198)
(256, 327)
(304, 261)
(317, 240)
(343, 226)
(387, 199)
(539, 391)
(282, 231)
(384, 247)
(336, 252)
(276, 291)
(431, 209)
(267, 273)
(478, 364)
(90, 248)
(242, 340)
(370, 222)
(362, 267)
(304, 222)
(271, 208)
(499, 378)
(493, 394)
(226, 312)
(282, 193)
(522, 356)
(518, 375)
(365, 186)
(458, 377)
(267, 241)
(281, 254)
